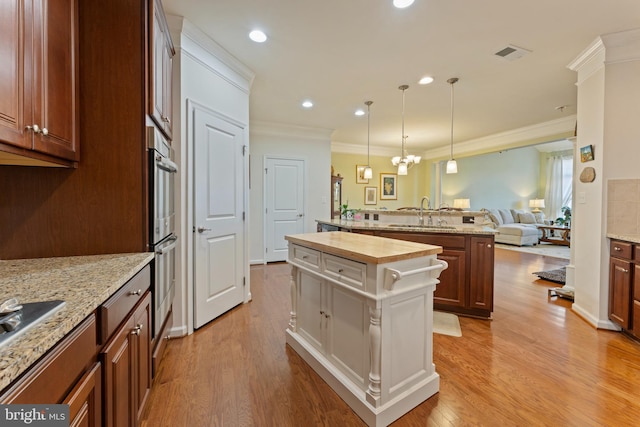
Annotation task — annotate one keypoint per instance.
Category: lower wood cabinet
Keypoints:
(127, 368)
(85, 400)
(466, 287)
(624, 286)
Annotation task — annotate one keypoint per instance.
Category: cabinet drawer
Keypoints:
(349, 272)
(636, 253)
(621, 249)
(53, 377)
(308, 257)
(116, 308)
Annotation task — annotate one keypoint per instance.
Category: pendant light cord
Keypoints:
(403, 88)
(368, 128)
(451, 81)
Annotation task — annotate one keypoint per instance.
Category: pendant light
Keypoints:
(402, 164)
(368, 172)
(452, 165)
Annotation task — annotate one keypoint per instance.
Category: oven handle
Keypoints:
(168, 248)
(166, 164)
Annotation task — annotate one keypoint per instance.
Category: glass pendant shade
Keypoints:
(368, 173)
(452, 166)
(402, 168)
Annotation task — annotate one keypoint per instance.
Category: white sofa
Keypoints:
(516, 227)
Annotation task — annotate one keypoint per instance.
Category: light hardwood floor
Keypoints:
(536, 363)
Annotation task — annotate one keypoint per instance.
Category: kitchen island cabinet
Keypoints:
(39, 112)
(362, 317)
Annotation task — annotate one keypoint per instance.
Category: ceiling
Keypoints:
(340, 54)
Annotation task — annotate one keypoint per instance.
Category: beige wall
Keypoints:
(410, 188)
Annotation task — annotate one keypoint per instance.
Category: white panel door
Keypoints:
(284, 201)
(218, 215)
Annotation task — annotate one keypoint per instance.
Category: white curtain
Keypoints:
(559, 179)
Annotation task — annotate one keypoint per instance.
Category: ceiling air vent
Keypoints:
(511, 52)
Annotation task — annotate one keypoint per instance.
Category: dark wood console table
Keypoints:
(547, 235)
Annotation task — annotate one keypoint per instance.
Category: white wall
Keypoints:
(608, 105)
(312, 145)
(505, 179)
(205, 73)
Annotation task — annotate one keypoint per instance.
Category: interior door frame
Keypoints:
(305, 191)
(186, 257)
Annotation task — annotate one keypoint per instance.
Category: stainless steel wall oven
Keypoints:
(162, 233)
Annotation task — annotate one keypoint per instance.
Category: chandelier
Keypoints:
(405, 160)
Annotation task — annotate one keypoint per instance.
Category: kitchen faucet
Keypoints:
(421, 213)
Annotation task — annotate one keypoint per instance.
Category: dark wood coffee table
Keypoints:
(548, 235)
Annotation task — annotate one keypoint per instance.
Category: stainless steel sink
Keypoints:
(428, 227)
(29, 314)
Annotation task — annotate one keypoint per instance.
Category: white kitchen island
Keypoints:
(362, 318)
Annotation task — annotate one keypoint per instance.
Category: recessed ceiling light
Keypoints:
(258, 36)
(307, 104)
(401, 4)
(425, 80)
(359, 112)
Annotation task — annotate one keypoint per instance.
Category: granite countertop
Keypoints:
(361, 247)
(633, 238)
(83, 282)
(383, 226)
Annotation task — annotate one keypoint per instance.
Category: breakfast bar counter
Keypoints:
(362, 318)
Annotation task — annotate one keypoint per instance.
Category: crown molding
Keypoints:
(190, 40)
(589, 61)
(292, 131)
(623, 46)
(506, 139)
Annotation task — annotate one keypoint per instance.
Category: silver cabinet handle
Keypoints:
(489, 245)
(202, 229)
(136, 330)
(45, 131)
(36, 128)
(138, 292)
(617, 249)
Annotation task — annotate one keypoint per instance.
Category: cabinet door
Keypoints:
(311, 309)
(481, 274)
(347, 333)
(451, 291)
(55, 78)
(15, 93)
(117, 359)
(142, 335)
(161, 74)
(85, 401)
(619, 291)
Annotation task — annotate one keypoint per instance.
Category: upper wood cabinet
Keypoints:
(162, 52)
(39, 82)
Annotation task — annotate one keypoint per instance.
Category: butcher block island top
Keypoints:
(360, 247)
(82, 282)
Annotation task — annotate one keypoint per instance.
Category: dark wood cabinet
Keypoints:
(160, 70)
(481, 273)
(127, 368)
(620, 283)
(466, 286)
(39, 111)
(85, 400)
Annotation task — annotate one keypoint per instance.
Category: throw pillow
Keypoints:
(526, 218)
(539, 216)
(507, 218)
(494, 215)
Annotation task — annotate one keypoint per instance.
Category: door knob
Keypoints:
(300, 215)
(202, 229)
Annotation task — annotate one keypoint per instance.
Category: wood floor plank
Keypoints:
(535, 364)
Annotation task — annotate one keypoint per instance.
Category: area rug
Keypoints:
(554, 251)
(558, 275)
(446, 324)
